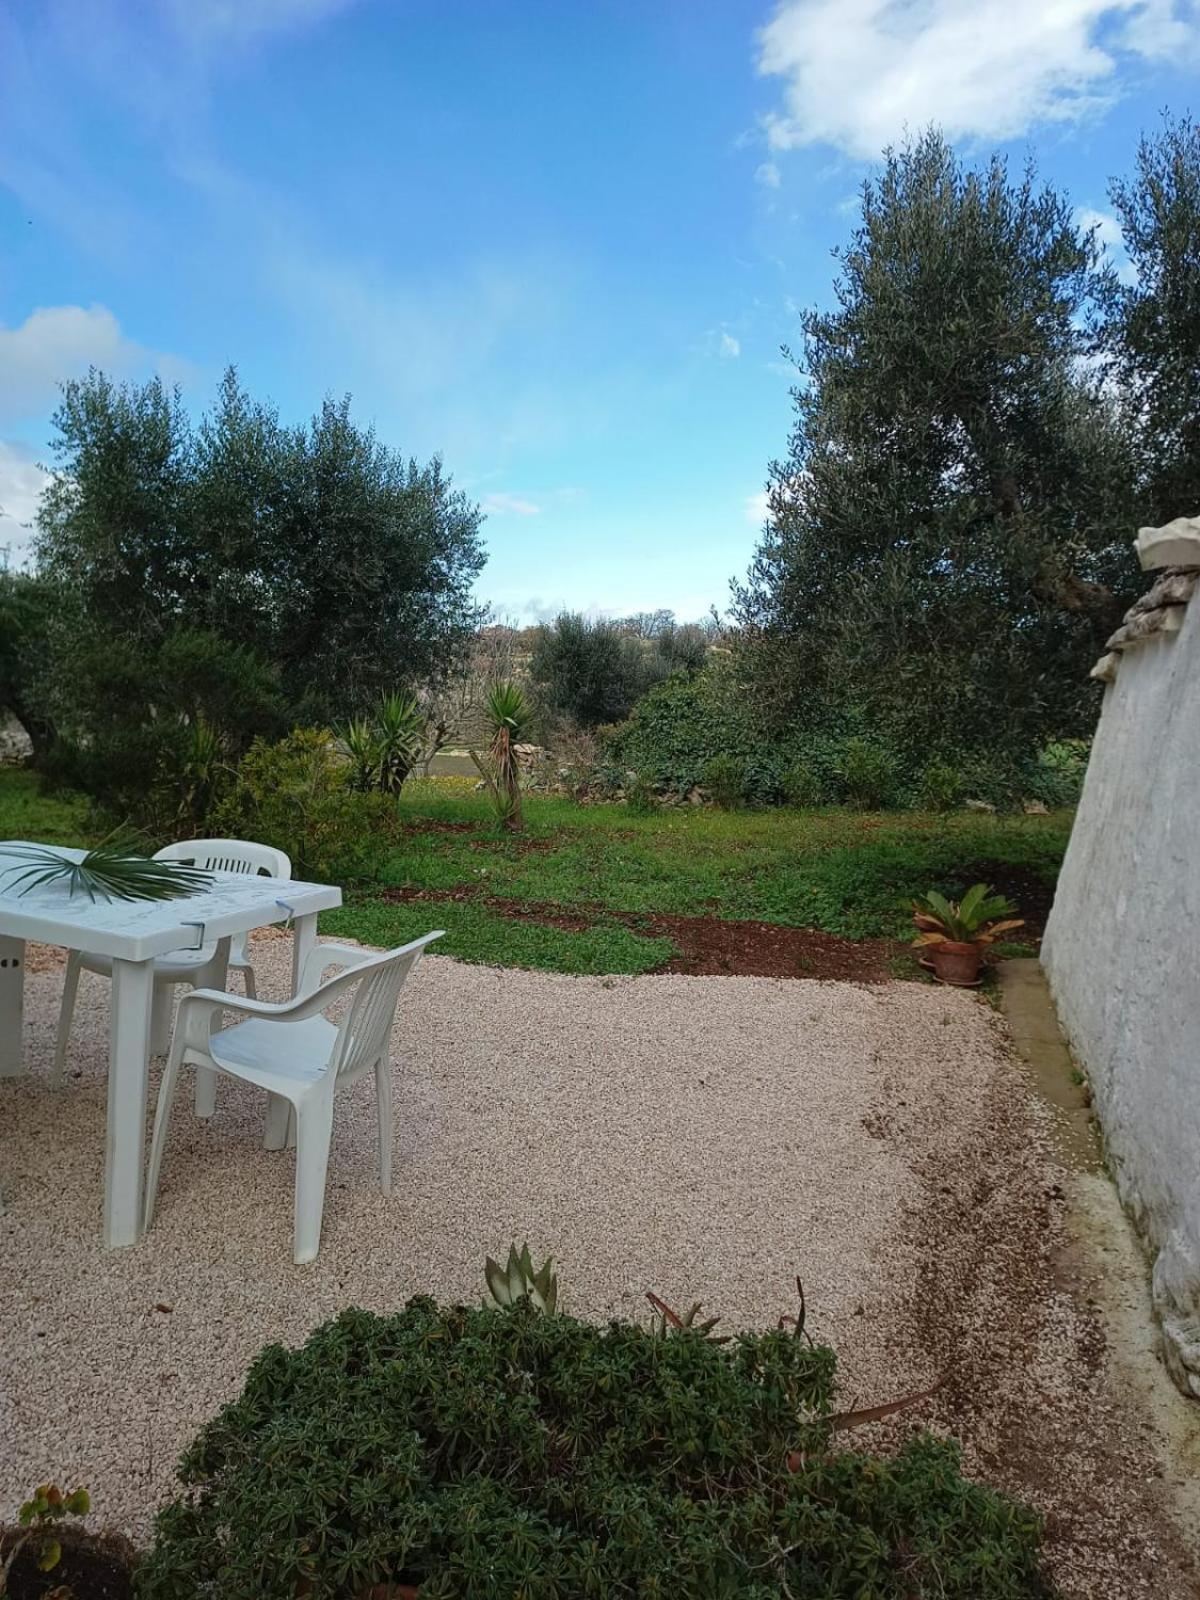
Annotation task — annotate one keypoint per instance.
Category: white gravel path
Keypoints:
(705, 1137)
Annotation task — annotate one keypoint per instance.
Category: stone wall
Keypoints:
(1122, 945)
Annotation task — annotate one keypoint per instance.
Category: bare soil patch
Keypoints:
(708, 946)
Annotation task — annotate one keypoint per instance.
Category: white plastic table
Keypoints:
(133, 933)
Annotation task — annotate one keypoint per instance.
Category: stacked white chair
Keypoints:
(195, 968)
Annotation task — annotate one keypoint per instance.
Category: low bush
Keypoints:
(866, 774)
(940, 787)
(1056, 776)
(296, 794)
(725, 779)
(801, 787)
(492, 1453)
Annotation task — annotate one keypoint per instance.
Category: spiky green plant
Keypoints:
(517, 1281)
(203, 772)
(109, 871)
(400, 732)
(506, 714)
(979, 917)
(359, 742)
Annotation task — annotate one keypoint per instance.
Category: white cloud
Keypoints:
(757, 509)
(55, 343)
(768, 175)
(21, 484)
(1108, 229)
(1109, 238)
(729, 346)
(859, 73)
(509, 505)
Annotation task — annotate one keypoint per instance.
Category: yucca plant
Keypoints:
(203, 772)
(979, 918)
(109, 871)
(400, 733)
(506, 715)
(517, 1281)
(359, 743)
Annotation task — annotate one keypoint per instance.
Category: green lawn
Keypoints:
(847, 873)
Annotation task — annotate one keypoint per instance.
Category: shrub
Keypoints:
(941, 787)
(296, 795)
(1056, 776)
(801, 787)
(865, 774)
(684, 723)
(725, 779)
(491, 1453)
(640, 797)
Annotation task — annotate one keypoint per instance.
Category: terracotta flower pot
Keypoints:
(956, 963)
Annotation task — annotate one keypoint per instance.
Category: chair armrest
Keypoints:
(216, 999)
(322, 956)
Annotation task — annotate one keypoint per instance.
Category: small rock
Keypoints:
(979, 805)
(1035, 808)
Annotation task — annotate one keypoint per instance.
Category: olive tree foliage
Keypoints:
(1149, 321)
(947, 540)
(309, 569)
(592, 670)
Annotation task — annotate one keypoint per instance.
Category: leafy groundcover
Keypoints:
(490, 1453)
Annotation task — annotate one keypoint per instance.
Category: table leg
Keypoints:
(128, 1084)
(281, 1119)
(12, 1006)
(304, 938)
(216, 976)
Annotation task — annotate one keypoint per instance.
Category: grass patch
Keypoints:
(27, 813)
(474, 933)
(846, 873)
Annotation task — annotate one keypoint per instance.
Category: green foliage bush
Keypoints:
(1056, 776)
(296, 794)
(801, 788)
(484, 1454)
(865, 773)
(725, 779)
(204, 700)
(940, 787)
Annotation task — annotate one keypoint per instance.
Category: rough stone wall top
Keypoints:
(1175, 551)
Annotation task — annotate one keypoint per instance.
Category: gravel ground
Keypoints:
(708, 1138)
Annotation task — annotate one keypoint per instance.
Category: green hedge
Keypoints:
(487, 1454)
(704, 731)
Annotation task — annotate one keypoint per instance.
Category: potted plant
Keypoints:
(957, 934)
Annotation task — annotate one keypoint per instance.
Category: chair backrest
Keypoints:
(228, 855)
(372, 981)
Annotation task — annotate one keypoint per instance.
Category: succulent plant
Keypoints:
(517, 1281)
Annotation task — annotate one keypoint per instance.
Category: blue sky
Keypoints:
(559, 242)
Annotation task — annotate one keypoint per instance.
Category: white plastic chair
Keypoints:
(298, 1054)
(193, 967)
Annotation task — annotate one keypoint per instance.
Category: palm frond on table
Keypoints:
(108, 872)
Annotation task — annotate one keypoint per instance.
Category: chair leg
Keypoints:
(383, 1099)
(314, 1131)
(162, 1008)
(249, 982)
(162, 1118)
(66, 1014)
(206, 1091)
(279, 1112)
